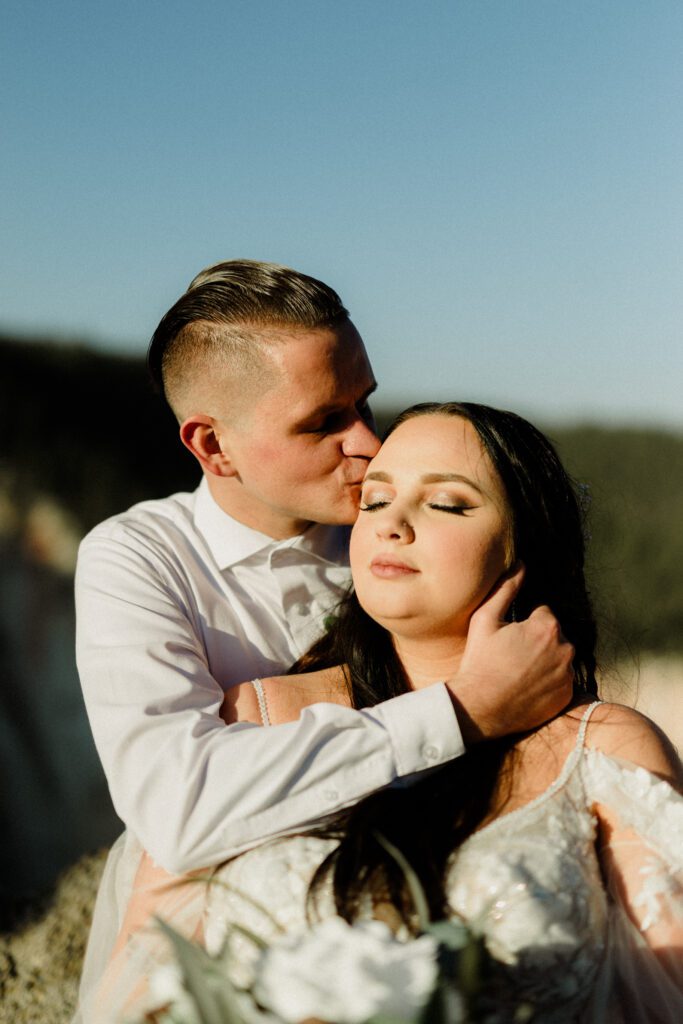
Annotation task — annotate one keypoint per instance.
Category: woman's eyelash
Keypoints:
(456, 510)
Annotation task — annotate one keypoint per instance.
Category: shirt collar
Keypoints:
(231, 542)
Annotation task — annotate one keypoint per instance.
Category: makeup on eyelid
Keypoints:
(431, 539)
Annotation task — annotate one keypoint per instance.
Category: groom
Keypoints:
(182, 598)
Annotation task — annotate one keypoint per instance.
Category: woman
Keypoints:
(564, 847)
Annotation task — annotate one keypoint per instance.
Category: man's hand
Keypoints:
(513, 675)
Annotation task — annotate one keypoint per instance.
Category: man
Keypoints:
(182, 598)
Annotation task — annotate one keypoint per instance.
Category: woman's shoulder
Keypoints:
(624, 733)
(615, 730)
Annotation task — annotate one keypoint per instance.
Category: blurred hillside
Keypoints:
(83, 436)
(635, 525)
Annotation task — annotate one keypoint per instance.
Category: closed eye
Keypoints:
(329, 425)
(456, 510)
(372, 506)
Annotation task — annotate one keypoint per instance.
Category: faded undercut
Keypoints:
(219, 327)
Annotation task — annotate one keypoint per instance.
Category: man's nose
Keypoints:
(360, 440)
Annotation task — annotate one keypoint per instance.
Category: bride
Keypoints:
(563, 847)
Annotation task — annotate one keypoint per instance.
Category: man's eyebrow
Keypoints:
(428, 478)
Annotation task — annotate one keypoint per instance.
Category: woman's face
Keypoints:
(433, 533)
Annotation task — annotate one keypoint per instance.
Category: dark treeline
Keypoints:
(87, 430)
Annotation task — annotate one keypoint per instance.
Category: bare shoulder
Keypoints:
(622, 732)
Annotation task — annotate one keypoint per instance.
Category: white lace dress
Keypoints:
(530, 882)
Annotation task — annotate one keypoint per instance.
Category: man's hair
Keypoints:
(216, 316)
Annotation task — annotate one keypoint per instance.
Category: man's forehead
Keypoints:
(335, 351)
(319, 375)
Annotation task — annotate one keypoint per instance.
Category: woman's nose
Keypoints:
(395, 528)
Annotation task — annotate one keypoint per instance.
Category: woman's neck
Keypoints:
(429, 660)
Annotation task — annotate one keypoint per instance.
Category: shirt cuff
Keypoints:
(423, 728)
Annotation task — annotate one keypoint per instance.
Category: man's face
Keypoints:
(301, 448)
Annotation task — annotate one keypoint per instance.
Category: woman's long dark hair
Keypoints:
(430, 817)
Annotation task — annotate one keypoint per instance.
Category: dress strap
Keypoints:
(261, 698)
(585, 718)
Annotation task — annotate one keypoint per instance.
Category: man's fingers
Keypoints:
(543, 618)
(491, 613)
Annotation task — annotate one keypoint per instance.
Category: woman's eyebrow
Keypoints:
(428, 478)
(437, 478)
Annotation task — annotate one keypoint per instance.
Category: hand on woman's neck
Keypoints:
(429, 660)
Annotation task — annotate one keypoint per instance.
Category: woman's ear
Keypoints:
(202, 436)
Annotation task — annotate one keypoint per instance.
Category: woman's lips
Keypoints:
(389, 568)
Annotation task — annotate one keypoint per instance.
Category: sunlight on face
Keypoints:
(302, 450)
(433, 534)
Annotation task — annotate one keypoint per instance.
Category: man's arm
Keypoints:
(497, 653)
(192, 790)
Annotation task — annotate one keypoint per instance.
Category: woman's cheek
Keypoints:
(358, 544)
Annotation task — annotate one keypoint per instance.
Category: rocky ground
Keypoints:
(40, 963)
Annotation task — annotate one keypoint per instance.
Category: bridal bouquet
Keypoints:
(336, 972)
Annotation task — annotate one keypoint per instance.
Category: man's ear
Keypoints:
(200, 434)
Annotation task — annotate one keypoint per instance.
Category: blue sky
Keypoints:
(495, 187)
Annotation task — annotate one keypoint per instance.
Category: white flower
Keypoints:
(166, 988)
(346, 974)
(215, 932)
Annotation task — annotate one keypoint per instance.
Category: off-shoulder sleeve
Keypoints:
(641, 853)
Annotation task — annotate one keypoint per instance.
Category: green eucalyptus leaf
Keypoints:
(470, 966)
(451, 934)
(216, 1003)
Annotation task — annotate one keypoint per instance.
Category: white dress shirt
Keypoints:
(176, 602)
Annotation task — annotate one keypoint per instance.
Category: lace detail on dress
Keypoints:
(530, 883)
(651, 810)
(264, 891)
(659, 892)
(535, 808)
(642, 801)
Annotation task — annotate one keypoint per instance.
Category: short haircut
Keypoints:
(216, 316)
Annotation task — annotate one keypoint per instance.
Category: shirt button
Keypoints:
(330, 794)
(430, 752)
